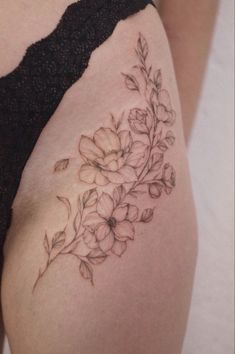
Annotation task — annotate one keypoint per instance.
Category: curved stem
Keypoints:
(40, 275)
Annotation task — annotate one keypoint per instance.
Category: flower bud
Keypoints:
(138, 121)
(169, 176)
(155, 190)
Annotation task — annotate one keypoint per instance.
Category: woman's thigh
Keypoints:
(101, 252)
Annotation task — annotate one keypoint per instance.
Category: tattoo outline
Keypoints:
(131, 161)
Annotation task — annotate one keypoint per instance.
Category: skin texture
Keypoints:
(189, 26)
(149, 289)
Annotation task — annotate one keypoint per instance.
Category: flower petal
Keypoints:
(119, 248)
(90, 239)
(102, 231)
(113, 156)
(100, 161)
(107, 140)
(81, 249)
(114, 177)
(91, 174)
(107, 243)
(124, 230)
(121, 161)
(125, 139)
(120, 213)
(171, 118)
(133, 212)
(100, 179)
(128, 173)
(88, 173)
(162, 113)
(124, 174)
(112, 166)
(93, 220)
(105, 206)
(88, 149)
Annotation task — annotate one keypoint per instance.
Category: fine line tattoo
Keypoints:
(131, 161)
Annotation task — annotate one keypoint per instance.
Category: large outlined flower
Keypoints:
(107, 157)
(112, 225)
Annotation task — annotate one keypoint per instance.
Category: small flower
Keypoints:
(147, 215)
(162, 106)
(169, 177)
(139, 121)
(167, 117)
(110, 225)
(106, 157)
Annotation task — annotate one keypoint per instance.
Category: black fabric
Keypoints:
(31, 93)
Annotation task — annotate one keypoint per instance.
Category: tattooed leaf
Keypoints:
(96, 256)
(46, 244)
(170, 138)
(158, 79)
(168, 190)
(162, 145)
(144, 72)
(86, 271)
(158, 137)
(58, 239)
(149, 70)
(138, 153)
(156, 161)
(61, 165)
(171, 118)
(120, 120)
(142, 46)
(131, 82)
(79, 203)
(113, 122)
(147, 215)
(169, 176)
(119, 194)
(136, 193)
(125, 140)
(67, 204)
(116, 123)
(77, 221)
(90, 198)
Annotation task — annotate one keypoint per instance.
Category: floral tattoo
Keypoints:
(131, 161)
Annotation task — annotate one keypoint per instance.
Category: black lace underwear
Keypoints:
(31, 93)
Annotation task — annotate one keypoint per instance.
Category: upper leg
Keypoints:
(139, 302)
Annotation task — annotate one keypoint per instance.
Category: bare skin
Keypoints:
(168, 284)
(189, 26)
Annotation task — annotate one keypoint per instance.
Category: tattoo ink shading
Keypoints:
(131, 161)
